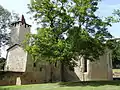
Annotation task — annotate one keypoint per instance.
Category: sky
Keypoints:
(20, 7)
(106, 8)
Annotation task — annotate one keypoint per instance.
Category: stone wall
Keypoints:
(23, 31)
(14, 36)
(18, 33)
(33, 77)
(101, 69)
(8, 78)
(44, 69)
(96, 70)
(16, 59)
(41, 74)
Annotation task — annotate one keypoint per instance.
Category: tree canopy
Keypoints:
(70, 28)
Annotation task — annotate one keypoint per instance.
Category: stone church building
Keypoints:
(20, 69)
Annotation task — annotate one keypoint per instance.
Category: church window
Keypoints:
(85, 65)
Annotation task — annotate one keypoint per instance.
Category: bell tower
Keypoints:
(18, 31)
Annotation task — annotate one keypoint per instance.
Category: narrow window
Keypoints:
(34, 64)
(85, 65)
(40, 68)
(55, 64)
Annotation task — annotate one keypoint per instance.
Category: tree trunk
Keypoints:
(62, 71)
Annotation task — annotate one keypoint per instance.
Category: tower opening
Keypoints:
(85, 65)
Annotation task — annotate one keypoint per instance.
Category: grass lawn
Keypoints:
(94, 85)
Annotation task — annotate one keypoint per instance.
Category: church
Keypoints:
(20, 69)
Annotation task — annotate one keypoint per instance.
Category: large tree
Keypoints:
(5, 19)
(115, 43)
(70, 28)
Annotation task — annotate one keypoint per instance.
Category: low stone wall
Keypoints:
(116, 75)
(8, 78)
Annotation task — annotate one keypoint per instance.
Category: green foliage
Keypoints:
(115, 18)
(2, 63)
(115, 46)
(5, 19)
(69, 29)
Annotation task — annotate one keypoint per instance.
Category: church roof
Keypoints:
(23, 21)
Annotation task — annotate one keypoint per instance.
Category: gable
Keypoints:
(13, 46)
(16, 59)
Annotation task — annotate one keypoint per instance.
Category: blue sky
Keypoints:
(106, 9)
(20, 7)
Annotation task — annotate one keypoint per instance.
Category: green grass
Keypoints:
(94, 85)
